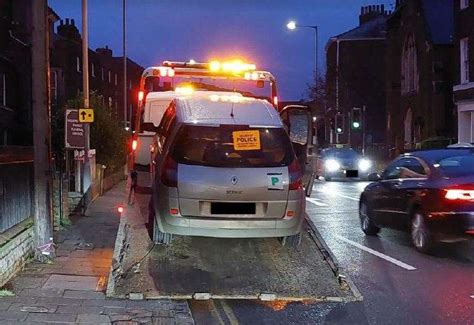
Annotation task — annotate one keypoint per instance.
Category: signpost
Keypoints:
(75, 135)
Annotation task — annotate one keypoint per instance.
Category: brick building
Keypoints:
(16, 134)
(105, 72)
(355, 80)
(419, 67)
(464, 77)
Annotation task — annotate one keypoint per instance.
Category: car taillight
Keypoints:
(459, 194)
(169, 172)
(134, 144)
(296, 179)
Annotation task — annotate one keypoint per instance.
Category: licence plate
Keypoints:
(352, 173)
(232, 208)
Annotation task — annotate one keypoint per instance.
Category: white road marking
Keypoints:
(332, 192)
(378, 254)
(316, 202)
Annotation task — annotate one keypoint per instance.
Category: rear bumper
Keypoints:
(452, 224)
(230, 228)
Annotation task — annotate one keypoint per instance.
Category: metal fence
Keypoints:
(16, 194)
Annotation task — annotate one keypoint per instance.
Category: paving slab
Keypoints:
(72, 282)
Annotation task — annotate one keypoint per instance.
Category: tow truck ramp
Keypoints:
(214, 268)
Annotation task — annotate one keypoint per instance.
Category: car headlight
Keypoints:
(364, 164)
(332, 165)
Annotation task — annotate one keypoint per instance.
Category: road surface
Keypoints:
(399, 285)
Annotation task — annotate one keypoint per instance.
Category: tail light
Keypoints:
(296, 178)
(134, 144)
(141, 95)
(169, 172)
(459, 194)
(275, 101)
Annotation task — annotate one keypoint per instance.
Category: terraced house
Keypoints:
(464, 78)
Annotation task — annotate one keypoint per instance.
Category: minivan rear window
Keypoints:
(213, 146)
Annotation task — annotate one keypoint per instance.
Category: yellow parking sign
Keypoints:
(86, 115)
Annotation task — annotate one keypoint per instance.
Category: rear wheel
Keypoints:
(154, 231)
(420, 234)
(366, 222)
(291, 241)
(309, 186)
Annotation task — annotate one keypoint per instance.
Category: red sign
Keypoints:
(75, 136)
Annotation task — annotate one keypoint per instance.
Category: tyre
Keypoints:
(327, 178)
(150, 225)
(154, 231)
(309, 187)
(420, 234)
(291, 241)
(366, 222)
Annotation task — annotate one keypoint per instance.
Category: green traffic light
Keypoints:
(355, 125)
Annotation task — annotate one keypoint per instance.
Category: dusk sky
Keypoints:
(207, 29)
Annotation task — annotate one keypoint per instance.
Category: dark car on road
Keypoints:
(428, 193)
(342, 163)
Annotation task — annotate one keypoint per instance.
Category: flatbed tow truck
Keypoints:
(213, 268)
(218, 268)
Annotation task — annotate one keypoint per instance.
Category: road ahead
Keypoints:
(399, 285)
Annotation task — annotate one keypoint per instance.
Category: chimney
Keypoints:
(69, 30)
(370, 12)
(104, 51)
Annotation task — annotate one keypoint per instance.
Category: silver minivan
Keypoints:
(225, 167)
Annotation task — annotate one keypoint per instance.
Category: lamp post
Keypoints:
(292, 25)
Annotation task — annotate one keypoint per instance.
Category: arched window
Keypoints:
(409, 80)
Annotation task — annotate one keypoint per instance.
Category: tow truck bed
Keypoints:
(214, 268)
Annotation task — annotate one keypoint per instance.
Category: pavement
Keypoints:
(71, 289)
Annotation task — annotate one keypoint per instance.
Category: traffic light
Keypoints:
(339, 123)
(356, 122)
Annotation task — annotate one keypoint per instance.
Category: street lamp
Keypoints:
(292, 25)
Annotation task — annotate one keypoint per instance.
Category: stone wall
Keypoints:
(16, 246)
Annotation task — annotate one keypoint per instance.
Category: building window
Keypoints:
(103, 74)
(3, 90)
(464, 4)
(78, 64)
(110, 76)
(116, 79)
(54, 86)
(409, 75)
(93, 70)
(464, 48)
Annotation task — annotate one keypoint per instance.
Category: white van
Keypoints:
(155, 106)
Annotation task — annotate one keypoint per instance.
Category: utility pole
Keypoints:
(125, 120)
(41, 127)
(85, 89)
(363, 129)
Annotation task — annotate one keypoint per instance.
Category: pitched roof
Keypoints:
(439, 16)
(374, 28)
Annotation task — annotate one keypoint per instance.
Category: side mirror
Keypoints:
(374, 177)
(150, 127)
